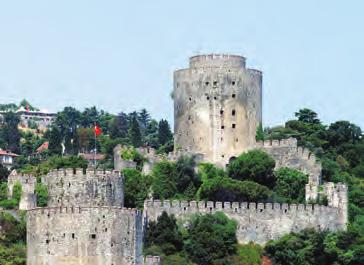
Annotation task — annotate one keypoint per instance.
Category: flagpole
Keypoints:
(95, 151)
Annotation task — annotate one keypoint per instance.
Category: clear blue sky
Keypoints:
(120, 55)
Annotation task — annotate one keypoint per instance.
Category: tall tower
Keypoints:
(217, 107)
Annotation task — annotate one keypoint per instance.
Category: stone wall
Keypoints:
(217, 107)
(84, 188)
(152, 260)
(84, 235)
(258, 223)
(337, 196)
(119, 163)
(286, 153)
(28, 199)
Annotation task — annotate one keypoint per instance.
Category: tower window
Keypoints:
(208, 98)
(206, 83)
(222, 127)
(233, 112)
(236, 140)
(190, 98)
(233, 125)
(215, 83)
(215, 98)
(73, 235)
(221, 112)
(233, 83)
(93, 236)
(233, 95)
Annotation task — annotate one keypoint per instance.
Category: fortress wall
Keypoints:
(286, 153)
(337, 196)
(84, 235)
(79, 188)
(152, 260)
(257, 222)
(28, 199)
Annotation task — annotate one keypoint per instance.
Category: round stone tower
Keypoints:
(217, 107)
(84, 222)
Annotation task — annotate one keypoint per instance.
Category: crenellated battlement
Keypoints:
(287, 154)
(152, 260)
(257, 222)
(79, 187)
(235, 207)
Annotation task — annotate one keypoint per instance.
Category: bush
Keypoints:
(136, 188)
(250, 254)
(290, 185)
(210, 238)
(230, 190)
(164, 180)
(17, 192)
(42, 195)
(255, 165)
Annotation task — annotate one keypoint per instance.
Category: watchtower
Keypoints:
(217, 107)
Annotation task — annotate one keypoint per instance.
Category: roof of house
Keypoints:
(91, 156)
(8, 153)
(43, 147)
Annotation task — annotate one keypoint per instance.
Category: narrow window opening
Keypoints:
(73, 235)
(208, 98)
(236, 140)
(105, 229)
(222, 127)
(285, 210)
(233, 125)
(233, 112)
(233, 95)
(215, 83)
(221, 139)
(69, 184)
(222, 156)
(221, 112)
(261, 210)
(47, 241)
(233, 83)
(190, 98)
(215, 98)
(93, 236)
(206, 83)
(236, 210)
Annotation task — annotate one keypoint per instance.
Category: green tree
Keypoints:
(255, 165)
(165, 234)
(17, 191)
(4, 173)
(41, 191)
(136, 187)
(307, 116)
(119, 126)
(164, 180)
(187, 179)
(260, 133)
(10, 132)
(210, 238)
(290, 185)
(230, 190)
(54, 138)
(164, 132)
(134, 133)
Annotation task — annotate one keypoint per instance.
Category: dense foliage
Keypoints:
(207, 240)
(12, 240)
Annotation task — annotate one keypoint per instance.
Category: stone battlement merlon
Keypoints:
(237, 207)
(75, 209)
(217, 60)
(83, 172)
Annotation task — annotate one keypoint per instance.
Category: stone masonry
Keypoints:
(28, 182)
(257, 222)
(85, 223)
(217, 107)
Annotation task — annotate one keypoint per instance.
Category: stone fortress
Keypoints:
(217, 107)
(217, 110)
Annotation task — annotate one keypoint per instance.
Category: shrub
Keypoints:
(255, 165)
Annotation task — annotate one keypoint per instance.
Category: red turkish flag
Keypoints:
(98, 130)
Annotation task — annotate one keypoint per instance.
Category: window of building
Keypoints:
(233, 125)
(233, 95)
(233, 112)
(93, 236)
(190, 98)
(208, 98)
(215, 98)
(73, 235)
